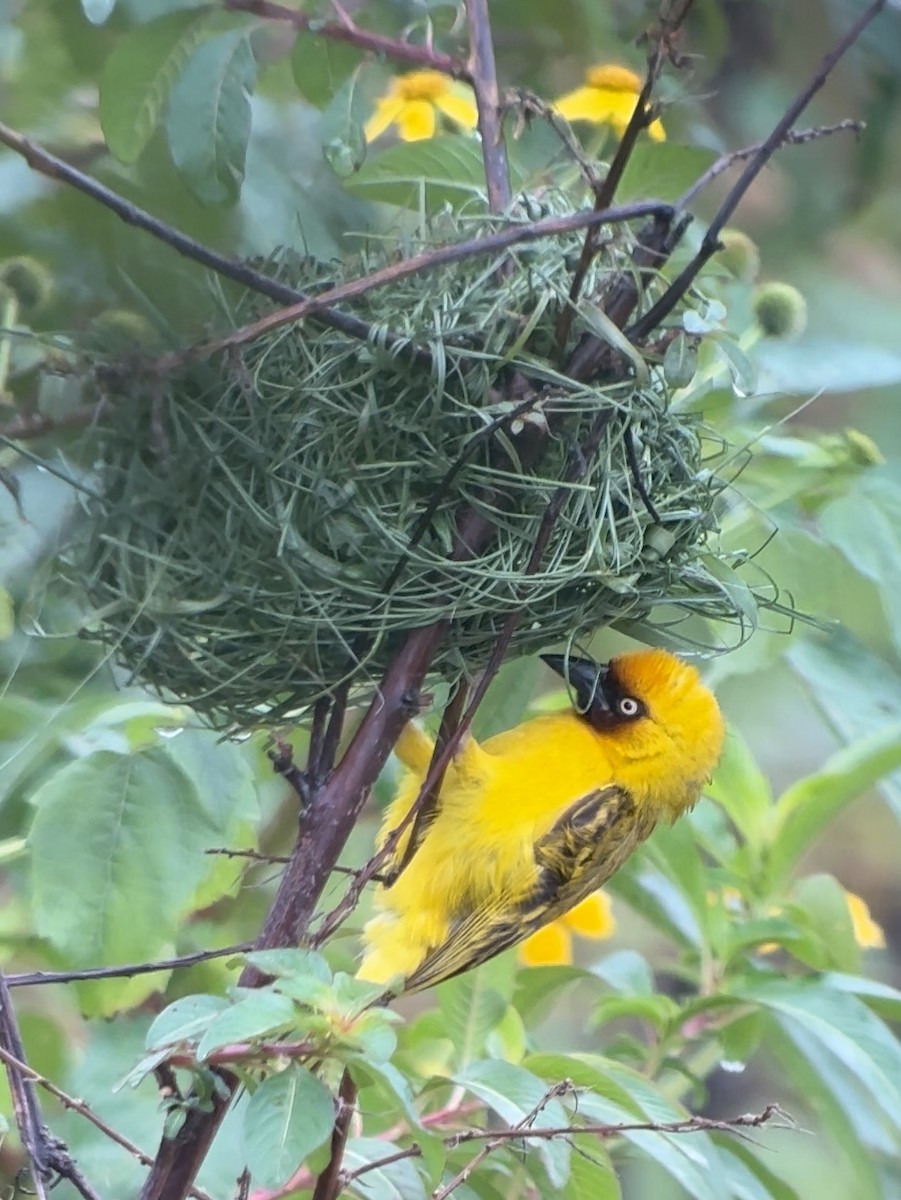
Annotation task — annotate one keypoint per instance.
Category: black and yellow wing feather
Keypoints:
(585, 846)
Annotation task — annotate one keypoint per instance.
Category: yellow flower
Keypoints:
(413, 103)
(552, 946)
(867, 933)
(607, 98)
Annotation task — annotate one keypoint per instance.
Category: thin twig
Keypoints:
(329, 1184)
(794, 137)
(429, 260)
(84, 1110)
(36, 978)
(364, 39)
(495, 1142)
(710, 243)
(483, 76)
(515, 1133)
(49, 165)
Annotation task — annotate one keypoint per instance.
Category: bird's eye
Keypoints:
(628, 706)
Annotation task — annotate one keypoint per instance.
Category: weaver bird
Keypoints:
(537, 818)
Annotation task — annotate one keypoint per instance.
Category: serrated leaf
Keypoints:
(288, 1117)
(264, 1014)
(139, 75)
(513, 1093)
(471, 1007)
(184, 1019)
(284, 964)
(208, 123)
(320, 67)
(134, 828)
(444, 170)
(662, 171)
(806, 808)
(394, 1181)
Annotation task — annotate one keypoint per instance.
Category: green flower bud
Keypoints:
(30, 280)
(120, 329)
(739, 255)
(780, 310)
(862, 450)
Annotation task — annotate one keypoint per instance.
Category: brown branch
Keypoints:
(516, 1133)
(47, 1155)
(794, 137)
(428, 260)
(642, 117)
(710, 243)
(36, 978)
(364, 39)
(495, 1142)
(483, 76)
(329, 1184)
(243, 1052)
(84, 1110)
(49, 165)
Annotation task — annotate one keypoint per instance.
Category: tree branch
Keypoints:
(352, 35)
(483, 76)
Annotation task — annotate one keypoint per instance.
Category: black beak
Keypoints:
(586, 678)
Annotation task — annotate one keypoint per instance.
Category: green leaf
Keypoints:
(471, 1007)
(865, 525)
(320, 67)
(288, 1117)
(824, 365)
(288, 963)
(443, 170)
(394, 1181)
(750, 1179)
(591, 1176)
(806, 808)
(139, 75)
(881, 997)
(507, 698)
(184, 1019)
(741, 788)
(117, 852)
(674, 850)
(589, 1074)
(261, 1015)
(513, 1093)
(662, 171)
(649, 892)
(390, 1084)
(818, 902)
(844, 1027)
(854, 690)
(208, 124)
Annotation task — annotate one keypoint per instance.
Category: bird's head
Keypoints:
(650, 708)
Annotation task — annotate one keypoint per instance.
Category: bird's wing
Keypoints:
(586, 845)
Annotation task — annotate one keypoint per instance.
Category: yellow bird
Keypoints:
(537, 818)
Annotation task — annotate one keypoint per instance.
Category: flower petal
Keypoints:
(613, 78)
(387, 110)
(656, 130)
(593, 918)
(549, 947)
(867, 933)
(459, 108)
(584, 104)
(416, 120)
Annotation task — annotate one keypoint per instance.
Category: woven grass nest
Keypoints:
(255, 508)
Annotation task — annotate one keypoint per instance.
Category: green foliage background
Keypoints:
(248, 139)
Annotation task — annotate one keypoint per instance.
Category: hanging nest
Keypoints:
(273, 522)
